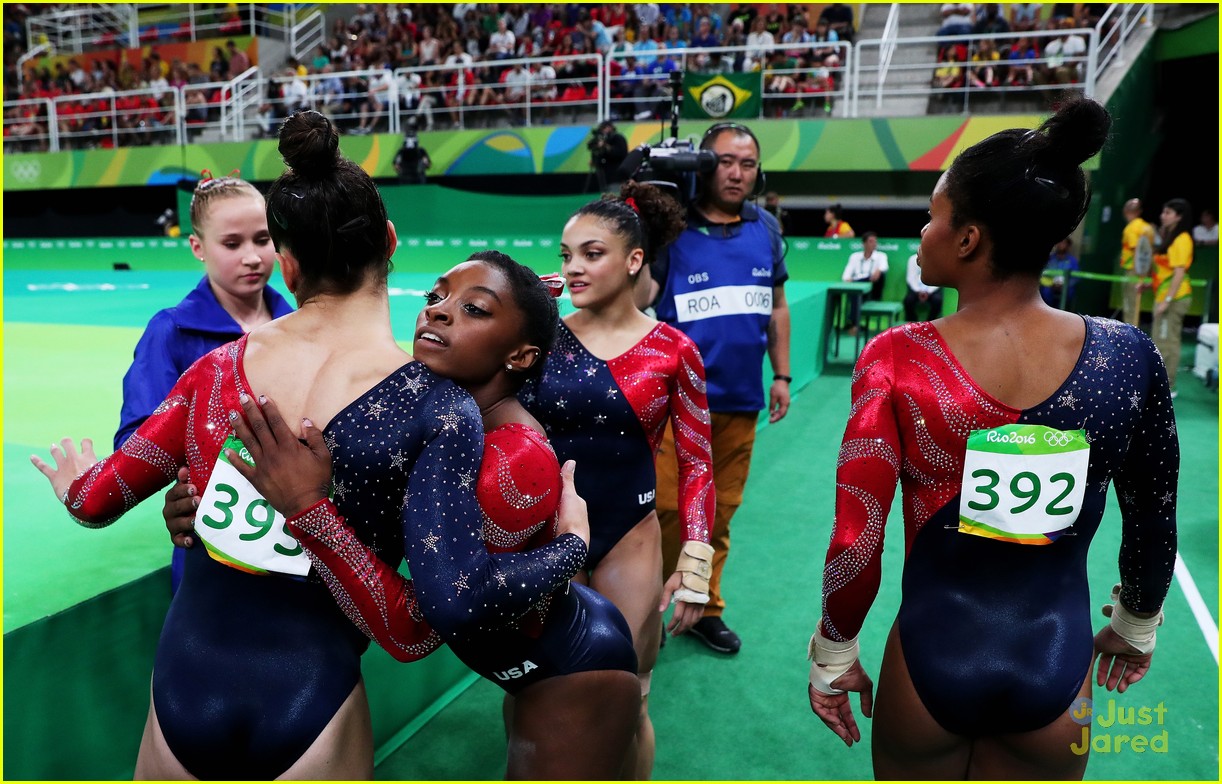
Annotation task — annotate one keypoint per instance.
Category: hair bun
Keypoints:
(1075, 133)
(309, 144)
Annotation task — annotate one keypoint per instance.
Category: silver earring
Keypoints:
(508, 366)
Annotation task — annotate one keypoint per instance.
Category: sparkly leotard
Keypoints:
(574, 629)
(250, 669)
(986, 623)
(609, 416)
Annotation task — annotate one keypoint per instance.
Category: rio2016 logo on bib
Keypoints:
(240, 528)
(1023, 483)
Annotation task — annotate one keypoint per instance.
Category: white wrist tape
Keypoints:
(829, 660)
(696, 566)
(689, 596)
(1137, 632)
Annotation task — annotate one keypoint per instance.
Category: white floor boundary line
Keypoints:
(1199, 610)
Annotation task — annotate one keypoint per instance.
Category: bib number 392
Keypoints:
(240, 528)
(1023, 483)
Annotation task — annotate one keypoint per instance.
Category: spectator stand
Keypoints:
(480, 94)
(881, 64)
(96, 110)
(540, 87)
(795, 79)
(76, 28)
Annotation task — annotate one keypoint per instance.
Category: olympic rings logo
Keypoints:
(26, 171)
(1057, 438)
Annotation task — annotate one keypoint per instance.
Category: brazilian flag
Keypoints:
(718, 96)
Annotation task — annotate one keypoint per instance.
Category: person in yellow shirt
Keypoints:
(1135, 231)
(836, 227)
(1172, 292)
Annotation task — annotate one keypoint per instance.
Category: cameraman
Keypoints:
(723, 283)
(608, 148)
(412, 160)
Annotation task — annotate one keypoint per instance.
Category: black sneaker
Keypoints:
(713, 632)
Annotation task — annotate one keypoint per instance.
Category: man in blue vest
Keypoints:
(723, 283)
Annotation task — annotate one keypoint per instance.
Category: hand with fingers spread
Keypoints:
(69, 464)
(181, 501)
(291, 476)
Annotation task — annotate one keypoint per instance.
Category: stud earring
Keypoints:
(508, 366)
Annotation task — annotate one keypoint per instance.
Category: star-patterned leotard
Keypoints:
(250, 669)
(609, 416)
(986, 623)
(574, 629)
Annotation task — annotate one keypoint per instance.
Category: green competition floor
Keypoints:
(68, 337)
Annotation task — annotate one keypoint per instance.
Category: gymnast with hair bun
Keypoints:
(229, 237)
(567, 664)
(257, 673)
(1005, 423)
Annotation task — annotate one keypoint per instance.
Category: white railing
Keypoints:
(43, 48)
(28, 127)
(452, 96)
(246, 90)
(306, 35)
(631, 94)
(1082, 72)
(887, 48)
(222, 108)
(153, 118)
(1115, 28)
(74, 27)
(127, 25)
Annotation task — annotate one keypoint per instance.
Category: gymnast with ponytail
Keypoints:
(611, 382)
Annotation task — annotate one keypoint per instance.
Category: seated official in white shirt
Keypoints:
(920, 294)
(866, 265)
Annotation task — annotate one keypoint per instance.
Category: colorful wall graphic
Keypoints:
(897, 144)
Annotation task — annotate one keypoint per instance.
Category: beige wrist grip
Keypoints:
(696, 566)
(1138, 632)
(829, 660)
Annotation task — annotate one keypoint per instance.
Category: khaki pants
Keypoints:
(1132, 301)
(733, 440)
(1167, 333)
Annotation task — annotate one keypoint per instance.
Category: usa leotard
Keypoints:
(250, 669)
(574, 629)
(609, 416)
(986, 623)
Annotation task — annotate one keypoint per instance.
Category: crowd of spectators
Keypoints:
(990, 61)
(652, 40)
(119, 103)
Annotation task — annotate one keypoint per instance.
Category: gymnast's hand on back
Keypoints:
(181, 501)
(292, 476)
(572, 511)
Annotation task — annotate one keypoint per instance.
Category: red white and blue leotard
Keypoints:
(250, 669)
(574, 629)
(609, 416)
(986, 623)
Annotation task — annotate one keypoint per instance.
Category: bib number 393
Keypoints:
(240, 528)
(1023, 483)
